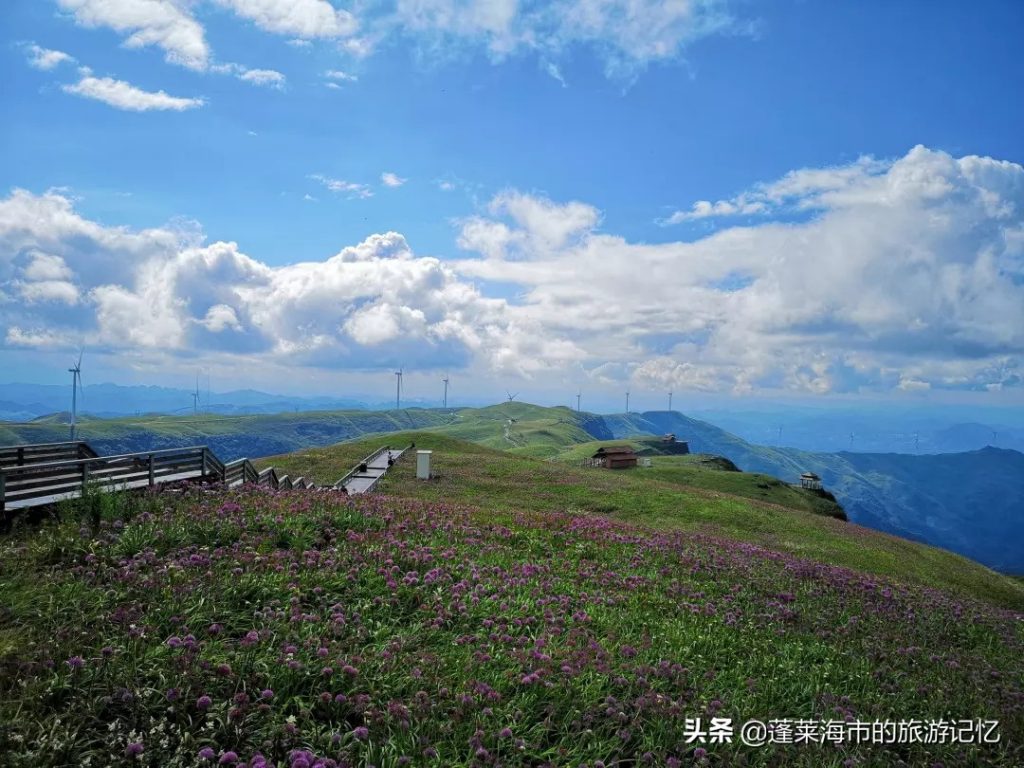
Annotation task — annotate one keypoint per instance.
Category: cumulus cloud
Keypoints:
(163, 23)
(301, 19)
(389, 179)
(905, 274)
(267, 77)
(626, 34)
(45, 58)
(123, 95)
(165, 291)
(802, 190)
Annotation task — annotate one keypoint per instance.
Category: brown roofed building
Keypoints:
(615, 457)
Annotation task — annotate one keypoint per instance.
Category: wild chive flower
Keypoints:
(228, 758)
(204, 702)
(134, 749)
(362, 733)
(267, 694)
(207, 753)
(76, 662)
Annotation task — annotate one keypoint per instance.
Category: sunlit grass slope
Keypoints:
(667, 497)
(304, 628)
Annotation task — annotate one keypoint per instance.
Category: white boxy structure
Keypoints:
(423, 465)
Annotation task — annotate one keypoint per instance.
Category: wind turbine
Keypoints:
(195, 398)
(670, 401)
(398, 389)
(579, 394)
(627, 402)
(76, 385)
(511, 397)
(445, 380)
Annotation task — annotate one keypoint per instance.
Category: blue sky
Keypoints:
(803, 198)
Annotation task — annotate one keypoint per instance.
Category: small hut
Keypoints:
(668, 438)
(810, 481)
(615, 457)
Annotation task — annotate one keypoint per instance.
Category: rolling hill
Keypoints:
(674, 494)
(971, 503)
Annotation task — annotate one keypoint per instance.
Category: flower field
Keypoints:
(248, 628)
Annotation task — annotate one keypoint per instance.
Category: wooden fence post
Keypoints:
(21, 456)
(85, 475)
(151, 469)
(204, 462)
(3, 494)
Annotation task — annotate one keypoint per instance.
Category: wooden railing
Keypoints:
(343, 483)
(47, 482)
(34, 475)
(19, 455)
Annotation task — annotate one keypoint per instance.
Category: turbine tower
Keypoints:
(195, 398)
(445, 380)
(579, 394)
(670, 401)
(627, 402)
(76, 385)
(398, 389)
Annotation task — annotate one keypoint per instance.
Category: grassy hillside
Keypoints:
(666, 497)
(231, 437)
(967, 502)
(289, 628)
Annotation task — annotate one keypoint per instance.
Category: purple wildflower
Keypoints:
(228, 758)
(207, 753)
(134, 749)
(362, 733)
(76, 662)
(204, 702)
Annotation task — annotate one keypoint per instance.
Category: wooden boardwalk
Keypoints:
(40, 474)
(366, 474)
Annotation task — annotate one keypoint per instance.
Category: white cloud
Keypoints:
(350, 188)
(337, 74)
(802, 190)
(44, 266)
(627, 34)
(122, 95)
(268, 77)
(47, 59)
(909, 275)
(555, 73)
(389, 179)
(221, 317)
(302, 19)
(164, 23)
(263, 77)
(164, 292)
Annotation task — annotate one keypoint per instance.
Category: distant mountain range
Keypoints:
(24, 402)
(969, 502)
